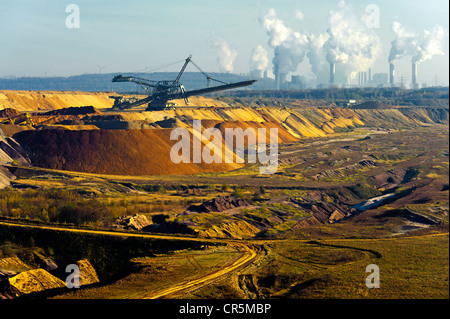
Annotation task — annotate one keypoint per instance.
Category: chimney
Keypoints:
(391, 73)
(414, 75)
(277, 79)
(332, 72)
(277, 70)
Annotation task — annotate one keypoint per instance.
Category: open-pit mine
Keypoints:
(85, 183)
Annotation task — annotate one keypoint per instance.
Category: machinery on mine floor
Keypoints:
(160, 92)
(21, 119)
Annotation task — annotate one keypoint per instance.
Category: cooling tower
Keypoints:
(391, 73)
(277, 77)
(257, 74)
(332, 71)
(414, 75)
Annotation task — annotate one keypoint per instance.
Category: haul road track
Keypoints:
(247, 254)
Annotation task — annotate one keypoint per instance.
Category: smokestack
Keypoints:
(277, 77)
(332, 71)
(414, 75)
(277, 70)
(391, 73)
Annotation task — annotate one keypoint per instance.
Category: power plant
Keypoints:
(345, 56)
(354, 79)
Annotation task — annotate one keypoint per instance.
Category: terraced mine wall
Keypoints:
(147, 151)
(138, 143)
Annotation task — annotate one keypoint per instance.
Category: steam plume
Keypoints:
(419, 48)
(316, 56)
(403, 44)
(350, 40)
(290, 47)
(226, 55)
(259, 59)
(430, 45)
(347, 41)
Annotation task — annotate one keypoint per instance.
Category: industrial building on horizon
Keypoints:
(354, 79)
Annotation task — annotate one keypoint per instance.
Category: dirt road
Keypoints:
(248, 253)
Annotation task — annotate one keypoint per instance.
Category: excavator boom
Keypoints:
(162, 91)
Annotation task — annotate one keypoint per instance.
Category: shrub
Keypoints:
(238, 192)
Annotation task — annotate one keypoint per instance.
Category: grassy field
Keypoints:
(410, 268)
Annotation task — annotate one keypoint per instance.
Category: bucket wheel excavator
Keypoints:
(160, 92)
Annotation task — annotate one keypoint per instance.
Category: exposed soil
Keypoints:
(218, 204)
(118, 152)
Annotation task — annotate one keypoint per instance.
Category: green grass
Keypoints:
(410, 268)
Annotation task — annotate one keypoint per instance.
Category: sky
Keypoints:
(136, 35)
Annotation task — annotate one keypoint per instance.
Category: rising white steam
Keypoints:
(289, 46)
(316, 56)
(420, 48)
(404, 43)
(225, 54)
(429, 45)
(350, 41)
(347, 41)
(259, 59)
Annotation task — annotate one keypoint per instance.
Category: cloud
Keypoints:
(299, 15)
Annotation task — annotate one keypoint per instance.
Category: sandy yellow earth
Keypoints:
(147, 151)
(35, 280)
(52, 100)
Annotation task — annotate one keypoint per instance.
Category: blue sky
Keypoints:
(131, 35)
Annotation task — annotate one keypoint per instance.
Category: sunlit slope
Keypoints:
(35, 280)
(121, 152)
(51, 100)
(147, 151)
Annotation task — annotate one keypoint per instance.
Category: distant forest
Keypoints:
(102, 82)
